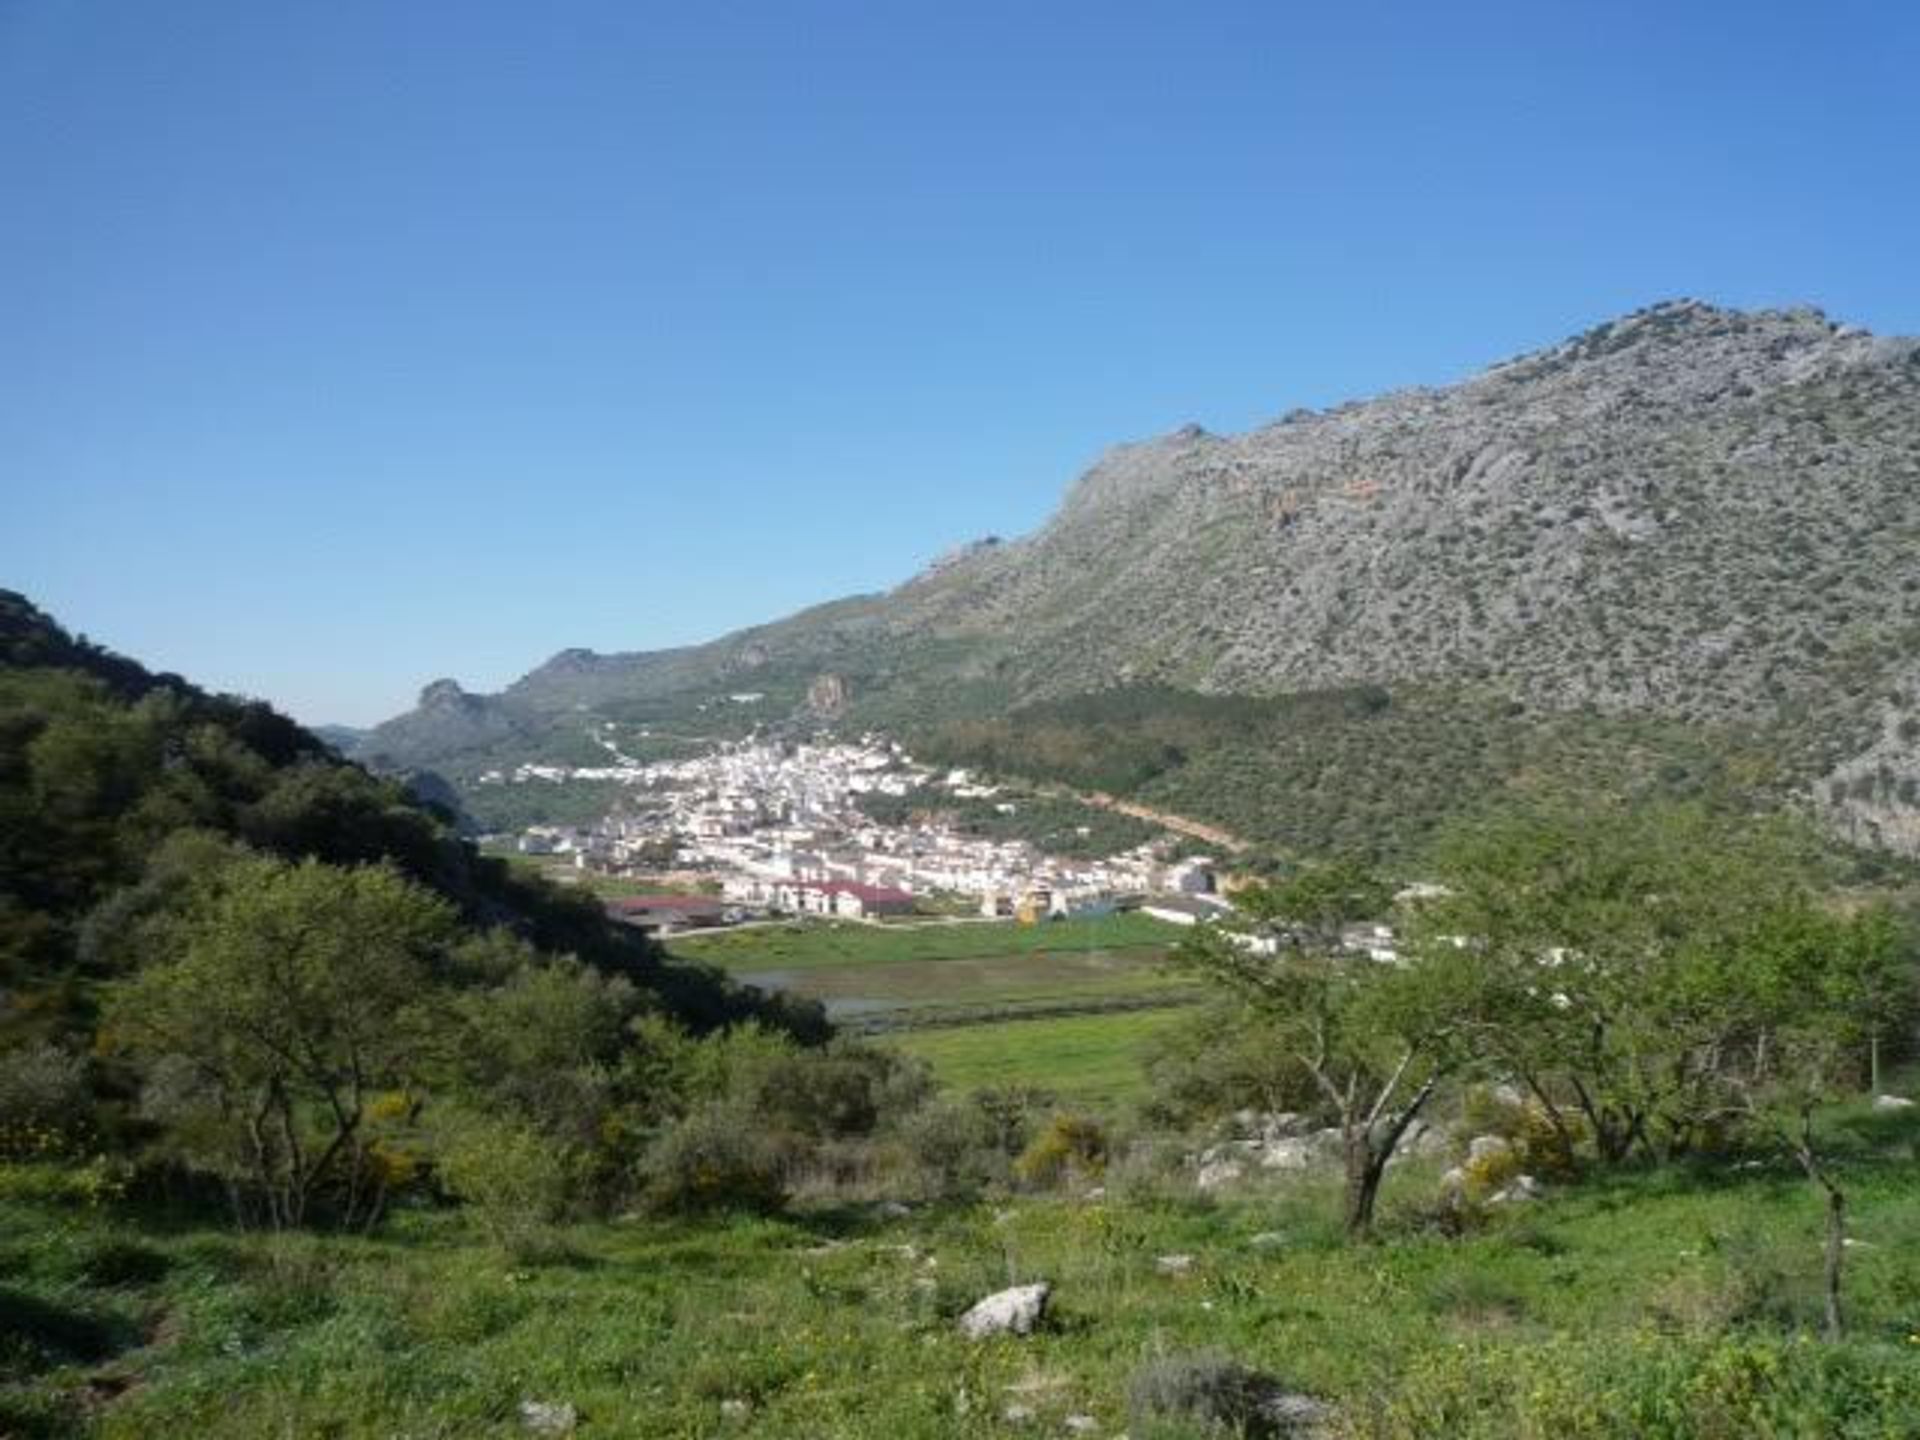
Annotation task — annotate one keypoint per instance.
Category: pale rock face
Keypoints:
(1218, 1174)
(1485, 1147)
(1521, 1191)
(1013, 1311)
(546, 1417)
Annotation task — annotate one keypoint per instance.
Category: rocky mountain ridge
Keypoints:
(1706, 516)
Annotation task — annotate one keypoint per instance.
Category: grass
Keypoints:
(803, 946)
(928, 986)
(899, 979)
(1668, 1304)
(1084, 1059)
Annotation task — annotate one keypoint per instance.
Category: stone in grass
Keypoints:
(1081, 1425)
(548, 1417)
(1007, 1312)
(1892, 1102)
(1173, 1264)
(1210, 1388)
(735, 1410)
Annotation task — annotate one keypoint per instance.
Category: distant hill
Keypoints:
(1681, 549)
(342, 737)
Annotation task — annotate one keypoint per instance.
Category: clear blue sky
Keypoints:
(347, 345)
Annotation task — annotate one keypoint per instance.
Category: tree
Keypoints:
(1816, 990)
(1609, 945)
(1370, 1036)
(285, 998)
(1676, 976)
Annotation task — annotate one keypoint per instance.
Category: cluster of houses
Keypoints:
(781, 828)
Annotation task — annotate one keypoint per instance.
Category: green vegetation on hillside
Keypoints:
(1665, 1305)
(315, 1121)
(1052, 824)
(1365, 769)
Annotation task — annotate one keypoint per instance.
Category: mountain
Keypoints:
(1682, 542)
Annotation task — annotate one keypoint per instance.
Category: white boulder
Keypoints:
(547, 1417)
(1007, 1312)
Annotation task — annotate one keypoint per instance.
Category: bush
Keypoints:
(1070, 1147)
(847, 1091)
(718, 1158)
(1650, 1386)
(43, 1100)
(516, 1183)
(1204, 1389)
(955, 1145)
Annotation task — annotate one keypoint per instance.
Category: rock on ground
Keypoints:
(545, 1417)
(1007, 1312)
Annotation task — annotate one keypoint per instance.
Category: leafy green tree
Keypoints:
(1609, 945)
(1815, 990)
(284, 1000)
(1370, 1037)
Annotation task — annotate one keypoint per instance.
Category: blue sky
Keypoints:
(344, 346)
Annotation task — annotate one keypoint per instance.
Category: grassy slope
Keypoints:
(1646, 1306)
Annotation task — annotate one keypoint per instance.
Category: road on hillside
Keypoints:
(1166, 819)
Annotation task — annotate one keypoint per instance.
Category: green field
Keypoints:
(805, 945)
(979, 976)
(1087, 1059)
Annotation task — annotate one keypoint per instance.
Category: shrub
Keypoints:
(718, 1158)
(43, 1099)
(1071, 1146)
(1649, 1386)
(955, 1146)
(517, 1183)
(1206, 1389)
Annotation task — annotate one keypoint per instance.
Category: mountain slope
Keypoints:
(1697, 517)
(119, 788)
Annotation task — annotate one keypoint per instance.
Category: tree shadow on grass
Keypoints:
(37, 1334)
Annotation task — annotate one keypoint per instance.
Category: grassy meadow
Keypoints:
(809, 945)
(1676, 1303)
(1083, 1059)
(1065, 1007)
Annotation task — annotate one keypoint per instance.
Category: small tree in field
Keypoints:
(1370, 1036)
(1816, 990)
(284, 999)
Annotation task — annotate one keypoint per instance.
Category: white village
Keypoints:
(778, 828)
